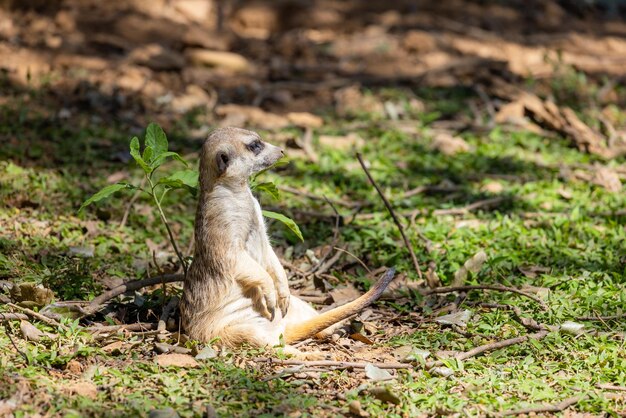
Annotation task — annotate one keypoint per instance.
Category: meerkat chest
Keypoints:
(257, 242)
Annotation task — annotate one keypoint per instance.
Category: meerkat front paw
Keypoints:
(284, 297)
(270, 305)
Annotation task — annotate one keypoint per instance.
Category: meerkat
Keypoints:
(236, 288)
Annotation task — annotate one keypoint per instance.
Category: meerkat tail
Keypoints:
(309, 328)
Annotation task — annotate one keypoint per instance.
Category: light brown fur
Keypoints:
(236, 289)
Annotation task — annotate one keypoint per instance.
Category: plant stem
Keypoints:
(167, 227)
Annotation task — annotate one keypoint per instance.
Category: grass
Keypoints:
(567, 227)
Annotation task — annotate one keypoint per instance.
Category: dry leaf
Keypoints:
(457, 318)
(339, 142)
(531, 271)
(32, 333)
(377, 374)
(407, 353)
(442, 371)
(345, 294)
(607, 178)
(305, 119)
(115, 347)
(176, 360)
(360, 337)
(449, 145)
(542, 292)
(250, 115)
(492, 187)
(220, 59)
(206, 353)
(564, 121)
(565, 194)
(473, 265)
(512, 113)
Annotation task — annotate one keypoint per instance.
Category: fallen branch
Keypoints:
(497, 288)
(441, 212)
(471, 207)
(489, 347)
(12, 316)
(331, 363)
(95, 305)
(432, 189)
(561, 406)
(37, 315)
(601, 318)
(407, 243)
(500, 344)
(607, 386)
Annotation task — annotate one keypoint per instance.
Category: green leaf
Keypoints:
(184, 179)
(104, 193)
(285, 220)
(267, 187)
(134, 152)
(155, 138)
(161, 158)
(147, 154)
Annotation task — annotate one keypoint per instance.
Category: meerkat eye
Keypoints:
(256, 146)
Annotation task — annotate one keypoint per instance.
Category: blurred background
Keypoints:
(124, 63)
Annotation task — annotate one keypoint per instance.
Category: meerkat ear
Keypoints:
(222, 160)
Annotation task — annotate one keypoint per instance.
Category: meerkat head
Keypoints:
(233, 154)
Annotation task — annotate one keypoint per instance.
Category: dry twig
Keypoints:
(528, 323)
(561, 406)
(471, 207)
(38, 316)
(12, 316)
(312, 196)
(331, 363)
(500, 344)
(407, 243)
(97, 303)
(601, 318)
(607, 386)
(497, 288)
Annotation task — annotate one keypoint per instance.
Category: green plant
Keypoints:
(155, 153)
